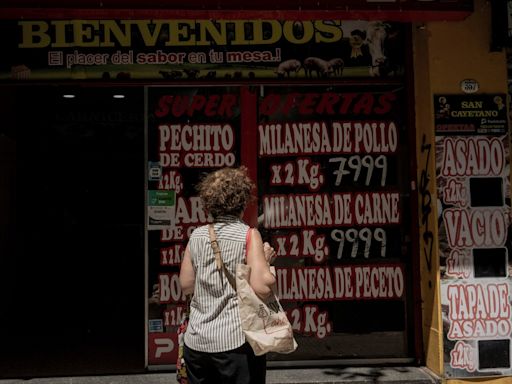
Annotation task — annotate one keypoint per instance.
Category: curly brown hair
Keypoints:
(226, 192)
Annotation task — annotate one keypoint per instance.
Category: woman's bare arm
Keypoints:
(261, 279)
(187, 274)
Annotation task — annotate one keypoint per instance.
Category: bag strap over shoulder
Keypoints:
(247, 242)
(218, 257)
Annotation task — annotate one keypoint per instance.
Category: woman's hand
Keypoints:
(270, 253)
(261, 279)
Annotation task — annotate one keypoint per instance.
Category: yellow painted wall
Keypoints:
(445, 53)
(460, 50)
(429, 259)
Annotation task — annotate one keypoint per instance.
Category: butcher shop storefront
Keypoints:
(117, 118)
(330, 161)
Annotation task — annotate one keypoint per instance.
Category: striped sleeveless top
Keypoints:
(214, 323)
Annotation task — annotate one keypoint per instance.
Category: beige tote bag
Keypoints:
(264, 322)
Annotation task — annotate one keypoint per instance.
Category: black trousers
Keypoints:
(238, 366)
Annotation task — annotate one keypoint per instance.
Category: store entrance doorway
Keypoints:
(75, 272)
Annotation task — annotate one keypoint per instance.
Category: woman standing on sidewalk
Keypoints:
(215, 347)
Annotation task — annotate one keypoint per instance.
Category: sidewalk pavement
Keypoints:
(326, 375)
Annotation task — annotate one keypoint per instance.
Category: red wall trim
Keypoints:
(249, 145)
(90, 13)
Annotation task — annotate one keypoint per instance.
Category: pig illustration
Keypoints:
(315, 64)
(286, 67)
